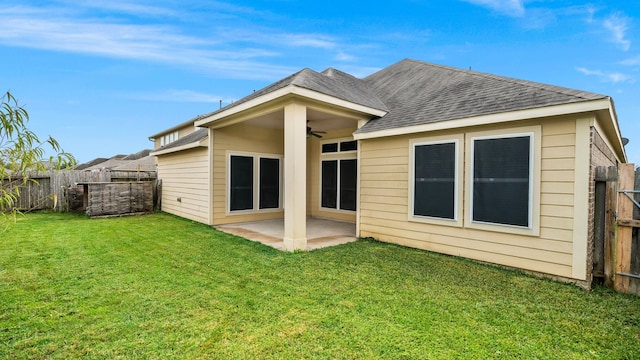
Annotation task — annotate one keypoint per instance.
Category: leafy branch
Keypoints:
(22, 151)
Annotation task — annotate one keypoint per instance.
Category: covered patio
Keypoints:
(293, 138)
(320, 232)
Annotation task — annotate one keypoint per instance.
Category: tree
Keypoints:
(21, 151)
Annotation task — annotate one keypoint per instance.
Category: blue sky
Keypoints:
(102, 76)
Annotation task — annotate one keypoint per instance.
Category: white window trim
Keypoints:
(169, 138)
(459, 187)
(338, 159)
(338, 141)
(256, 183)
(535, 136)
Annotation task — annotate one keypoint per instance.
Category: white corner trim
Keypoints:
(581, 200)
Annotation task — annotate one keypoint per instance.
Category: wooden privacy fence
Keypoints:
(55, 189)
(626, 277)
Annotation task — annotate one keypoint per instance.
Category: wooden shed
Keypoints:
(117, 198)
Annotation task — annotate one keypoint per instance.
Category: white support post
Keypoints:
(295, 177)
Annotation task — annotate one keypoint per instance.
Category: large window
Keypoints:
(251, 178)
(502, 183)
(339, 182)
(269, 183)
(241, 187)
(435, 179)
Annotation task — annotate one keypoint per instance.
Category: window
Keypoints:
(329, 184)
(435, 179)
(269, 183)
(241, 185)
(339, 182)
(348, 146)
(339, 146)
(339, 174)
(254, 179)
(329, 148)
(168, 138)
(501, 188)
(348, 184)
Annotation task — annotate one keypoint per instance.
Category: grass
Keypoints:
(161, 287)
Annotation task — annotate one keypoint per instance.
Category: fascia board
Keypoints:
(173, 128)
(547, 111)
(202, 143)
(288, 91)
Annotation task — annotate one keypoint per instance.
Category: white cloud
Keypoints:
(634, 61)
(539, 18)
(618, 25)
(123, 7)
(513, 8)
(590, 11)
(342, 56)
(308, 40)
(613, 77)
(216, 54)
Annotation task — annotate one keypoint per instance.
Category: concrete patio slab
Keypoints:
(320, 232)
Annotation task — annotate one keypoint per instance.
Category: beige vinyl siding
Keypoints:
(241, 139)
(384, 204)
(184, 175)
(314, 175)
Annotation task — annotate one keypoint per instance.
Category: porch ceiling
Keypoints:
(318, 120)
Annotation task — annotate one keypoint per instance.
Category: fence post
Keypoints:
(636, 210)
(625, 232)
(610, 225)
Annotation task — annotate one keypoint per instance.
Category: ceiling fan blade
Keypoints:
(314, 133)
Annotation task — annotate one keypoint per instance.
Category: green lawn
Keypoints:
(161, 287)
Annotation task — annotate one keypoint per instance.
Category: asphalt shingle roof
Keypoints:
(329, 82)
(415, 93)
(419, 93)
(195, 136)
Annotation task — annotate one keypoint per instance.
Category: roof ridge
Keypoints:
(534, 84)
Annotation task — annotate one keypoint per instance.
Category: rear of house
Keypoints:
(516, 194)
(454, 161)
(183, 170)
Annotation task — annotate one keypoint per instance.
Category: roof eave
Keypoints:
(289, 90)
(547, 111)
(173, 128)
(196, 144)
(614, 130)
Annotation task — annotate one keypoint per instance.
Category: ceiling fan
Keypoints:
(310, 132)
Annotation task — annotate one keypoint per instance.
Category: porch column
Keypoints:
(295, 177)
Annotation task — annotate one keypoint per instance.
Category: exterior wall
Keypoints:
(184, 176)
(600, 155)
(385, 192)
(314, 175)
(241, 139)
(182, 132)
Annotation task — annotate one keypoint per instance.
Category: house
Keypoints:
(140, 161)
(454, 161)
